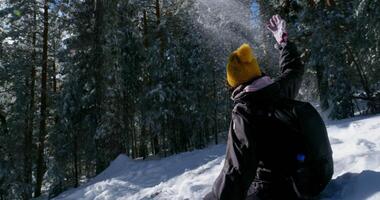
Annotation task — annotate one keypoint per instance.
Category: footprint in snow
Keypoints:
(356, 124)
(368, 144)
(376, 126)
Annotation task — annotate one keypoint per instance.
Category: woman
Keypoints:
(262, 149)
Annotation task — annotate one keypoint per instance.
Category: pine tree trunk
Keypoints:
(75, 156)
(311, 3)
(265, 14)
(205, 130)
(286, 8)
(42, 134)
(54, 75)
(359, 69)
(28, 137)
(322, 86)
(127, 129)
(134, 143)
(142, 138)
(156, 144)
(330, 3)
(215, 128)
(160, 35)
(164, 140)
(98, 70)
(3, 123)
(145, 28)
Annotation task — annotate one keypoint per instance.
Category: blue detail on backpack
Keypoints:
(301, 157)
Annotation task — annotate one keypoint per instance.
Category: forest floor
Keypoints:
(190, 175)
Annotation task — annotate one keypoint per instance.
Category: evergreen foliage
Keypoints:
(335, 37)
(84, 81)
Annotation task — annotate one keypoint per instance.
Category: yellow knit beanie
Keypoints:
(242, 66)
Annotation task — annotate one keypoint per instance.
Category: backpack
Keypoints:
(314, 167)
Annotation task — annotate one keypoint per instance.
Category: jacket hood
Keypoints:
(261, 88)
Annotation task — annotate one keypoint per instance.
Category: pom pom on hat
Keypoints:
(245, 54)
(242, 66)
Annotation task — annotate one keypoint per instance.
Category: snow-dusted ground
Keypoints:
(355, 142)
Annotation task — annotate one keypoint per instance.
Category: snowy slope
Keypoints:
(355, 142)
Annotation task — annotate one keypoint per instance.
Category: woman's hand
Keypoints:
(278, 27)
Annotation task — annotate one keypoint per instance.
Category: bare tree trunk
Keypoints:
(41, 138)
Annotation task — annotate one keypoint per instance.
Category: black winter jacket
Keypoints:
(258, 143)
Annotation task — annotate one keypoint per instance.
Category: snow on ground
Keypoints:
(355, 142)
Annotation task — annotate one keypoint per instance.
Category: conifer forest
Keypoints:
(82, 81)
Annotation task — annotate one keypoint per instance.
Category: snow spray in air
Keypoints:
(227, 24)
